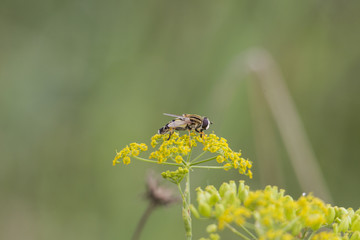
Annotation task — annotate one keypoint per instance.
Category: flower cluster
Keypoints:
(273, 215)
(178, 146)
(132, 150)
(174, 148)
(177, 149)
(232, 159)
(175, 176)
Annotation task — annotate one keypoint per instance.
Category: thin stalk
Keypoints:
(143, 220)
(209, 167)
(248, 232)
(199, 156)
(311, 235)
(186, 208)
(202, 161)
(152, 161)
(249, 225)
(236, 231)
(181, 193)
(189, 155)
(289, 226)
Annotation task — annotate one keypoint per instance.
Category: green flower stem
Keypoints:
(189, 155)
(290, 225)
(311, 235)
(152, 161)
(236, 232)
(248, 232)
(200, 155)
(186, 208)
(202, 161)
(181, 193)
(249, 225)
(186, 203)
(209, 167)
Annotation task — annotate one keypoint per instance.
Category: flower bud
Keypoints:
(355, 225)
(164, 174)
(178, 159)
(214, 195)
(351, 212)
(220, 159)
(289, 208)
(355, 236)
(229, 197)
(211, 228)
(232, 186)
(219, 209)
(194, 211)
(273, 190)
(223, 189)
(243, 191)
(357, 212)
(340, 212)
(214, 236)
(315, 221)
(344, 224)
(336, 228)
(126, 160)
(204, 209)
(330, 216)
(296, 228)
(201, 196)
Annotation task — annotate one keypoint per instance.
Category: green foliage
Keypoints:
(270, 214)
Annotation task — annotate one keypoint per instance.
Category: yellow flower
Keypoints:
(178, 159)
(143, 147)
(126, 160)
(326, 236)
(276, 234)
(132, 150)
(220, 159)
(250, 174)
(227, 166)
(233, 214)
(176, 147)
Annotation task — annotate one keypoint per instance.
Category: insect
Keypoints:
(185, 122)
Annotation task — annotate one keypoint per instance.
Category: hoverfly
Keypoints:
(185, 122)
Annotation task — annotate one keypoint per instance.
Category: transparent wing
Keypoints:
(183, 118)
(173, 115)
(177, 123)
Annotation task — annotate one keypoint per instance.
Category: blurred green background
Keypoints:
(80, 79)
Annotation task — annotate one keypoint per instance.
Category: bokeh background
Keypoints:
(80, 79)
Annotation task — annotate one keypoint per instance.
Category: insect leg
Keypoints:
(170, 133)
(201, 133)
(189, 138)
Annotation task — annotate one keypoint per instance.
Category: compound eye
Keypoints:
(205, 124)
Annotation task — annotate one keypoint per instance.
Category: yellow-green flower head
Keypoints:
(178, 150)
(278, 234)
(175, 176)
(276, 215)
(226, 155)
(312, 211)
(133, 149)
(179, 159)
(181, 145)
(326, 236)
(170, 149)
(234, 214)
